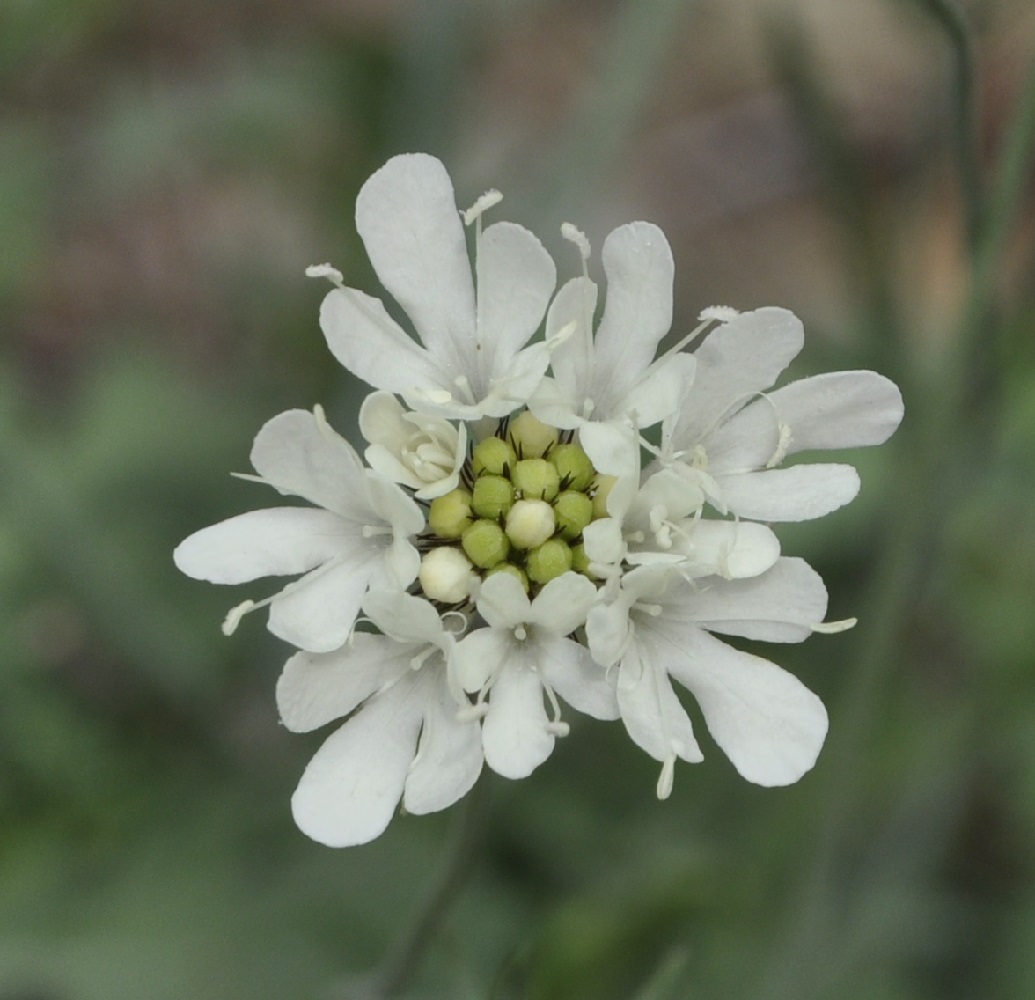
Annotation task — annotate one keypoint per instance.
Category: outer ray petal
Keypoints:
(449, 755)
(737, 360)
(361, 335)
(317, 688)
(638, 309)
(317, 612)
(407, 217)
(765, 720)
(798, 493)
(279, 541)
(516, 277)
(781, 605)
(350, 789)
(577, 678)
(514, 731)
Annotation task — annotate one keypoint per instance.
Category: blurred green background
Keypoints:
(168, 170)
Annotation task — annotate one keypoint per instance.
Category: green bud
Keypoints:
(573, 511)
(511, 570)
(536, 479)
(550, 560)
(494, 456)
(485, 544)
(602, 486)
(530, 523)
(572, 465)
(580, 561)
(530, 436)
(493, 496)
(450, 514)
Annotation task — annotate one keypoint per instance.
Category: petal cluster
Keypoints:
(510, 547)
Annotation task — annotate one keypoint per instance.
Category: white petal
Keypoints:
(561, 605)
(516, 383)
(637, 310)
(362, 336)
(478, 655)
(835, 410)
(449, 755)
(572, 361)
(652, 714)
(404, 617)
(765, 720)
(514, 731)
(731, 549)
(381, 421)
(316, 688)
(317, 612)
(736, 361)
(781, 605)
(407, 217)
(839, 410)
(613, 448)
(350, 789)
(607, 631)
(502, 601)
(658, 393)
(553, 404)
(516, 277)
(281, 541)
(797, 493)
(577, 678)
(302, 455)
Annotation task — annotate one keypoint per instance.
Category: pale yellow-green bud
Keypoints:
(573, 511)
(572, 465)
(580, 561)
(450, 514)
(530, 523)
(485, 544)
(494, 456)
(602, 486)
(493, 496)
(550, 560)
(511, 570)
(530, 436)
(446, 575)
(536, 479)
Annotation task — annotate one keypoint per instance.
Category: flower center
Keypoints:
(528, 493)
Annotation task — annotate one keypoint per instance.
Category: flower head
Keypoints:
(504, 539)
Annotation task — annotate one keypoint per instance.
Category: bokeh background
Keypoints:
(167, 171)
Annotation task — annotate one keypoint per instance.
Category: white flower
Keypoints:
(522, 654)
(421, 452)
(473, 361)
(359, 538)
(766, 721)
(608, 384)
(731, 430)
(395, 689)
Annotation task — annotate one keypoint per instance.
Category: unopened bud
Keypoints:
(572, 465)
(530, 436)
(536, 479)
(573, 511)
(530, 523)
(550, 560)
(450, 514)
(446, 575)
(493, 496)
(485, 544)
(493, 455)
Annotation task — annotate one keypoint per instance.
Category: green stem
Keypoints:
(953, 20)
(403, 957)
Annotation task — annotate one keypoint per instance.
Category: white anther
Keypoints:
(483, 204)
(332, 274)
(578, 237)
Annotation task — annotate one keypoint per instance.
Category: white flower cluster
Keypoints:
(504, 548)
